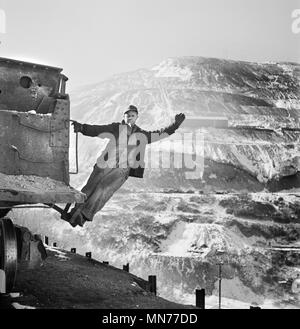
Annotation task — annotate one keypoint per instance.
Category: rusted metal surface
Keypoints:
(25, 86)
(34, 144)
(59, 125)
(8, 252)
(34, 130)
(16, 197)
(31, 251)
(23, 189)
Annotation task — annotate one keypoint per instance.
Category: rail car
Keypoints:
(34, 156)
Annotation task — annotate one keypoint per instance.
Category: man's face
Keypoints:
(130, 117)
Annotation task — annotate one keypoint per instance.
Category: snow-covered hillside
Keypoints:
(259, 149)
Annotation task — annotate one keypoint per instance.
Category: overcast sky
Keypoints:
(93, 39)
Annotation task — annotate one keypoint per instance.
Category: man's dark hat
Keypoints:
(131, 108)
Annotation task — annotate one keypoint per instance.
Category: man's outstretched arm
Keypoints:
(95, 130)
(156, 135)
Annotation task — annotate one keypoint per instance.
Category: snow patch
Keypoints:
(22, 307)
(288, 69)
(288, 103)
(212, 301)
(40, 114)
(168, 69)
(164, 218)
(235, 289)
(59, 253)
(187, 239)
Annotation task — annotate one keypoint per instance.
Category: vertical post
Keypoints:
(2, 282)
(46, 240)
(126, 267)
(73, 250)
(200, 298)
(88, 254)
(220, 284)
(152, 283)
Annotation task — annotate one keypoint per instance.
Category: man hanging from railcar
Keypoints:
(122, 157)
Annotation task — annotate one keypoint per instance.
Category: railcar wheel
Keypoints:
(8, 252)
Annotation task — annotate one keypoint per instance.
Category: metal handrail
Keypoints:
(77, 167)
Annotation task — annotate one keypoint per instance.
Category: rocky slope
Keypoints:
(181, 237)
(70, 281)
